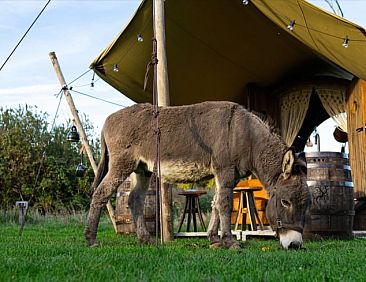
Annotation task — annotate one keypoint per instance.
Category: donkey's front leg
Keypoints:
(225, 181)
(100, 197)
(213, 227)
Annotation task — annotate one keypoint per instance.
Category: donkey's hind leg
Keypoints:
(100, 197)
(136, 202)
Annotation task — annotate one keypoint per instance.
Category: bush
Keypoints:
(39, 166)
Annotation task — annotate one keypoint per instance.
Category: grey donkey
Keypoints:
(211, 139)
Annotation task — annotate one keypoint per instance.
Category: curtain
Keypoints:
(334, 103)
(293, 104)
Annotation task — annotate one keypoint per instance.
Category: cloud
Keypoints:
(43, 96)
(29, 90)
(6, 27)
(13, 8)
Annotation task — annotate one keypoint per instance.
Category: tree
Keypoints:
(39, 166)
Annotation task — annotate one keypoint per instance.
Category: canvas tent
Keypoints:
(216, 47)
(226, 50)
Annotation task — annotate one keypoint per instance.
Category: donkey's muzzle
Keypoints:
(294, 246)
(290, 239)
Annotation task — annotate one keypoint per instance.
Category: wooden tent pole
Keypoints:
(163, 100)
(356, 128)
(162, 75)
(79, 126)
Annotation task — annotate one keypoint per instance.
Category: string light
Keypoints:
(291, 25)
(245, 2)
(115, 68)
(346, 39)
(140, 38)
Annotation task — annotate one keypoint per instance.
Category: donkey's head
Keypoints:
(289, 201)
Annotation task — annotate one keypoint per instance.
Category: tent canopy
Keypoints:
(215, 48)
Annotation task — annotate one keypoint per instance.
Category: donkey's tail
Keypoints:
(103, 164)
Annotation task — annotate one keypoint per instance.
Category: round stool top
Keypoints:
(191, 192)
(239, 189)
(249, 183)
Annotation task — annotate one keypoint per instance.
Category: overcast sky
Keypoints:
(78, 31)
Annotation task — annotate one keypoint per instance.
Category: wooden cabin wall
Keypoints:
(356, 115)
(260, 100)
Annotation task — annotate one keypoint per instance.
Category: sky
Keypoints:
(78, 31)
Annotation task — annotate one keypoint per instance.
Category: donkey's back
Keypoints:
(194, 139)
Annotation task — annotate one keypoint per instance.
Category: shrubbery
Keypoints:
(49, 183)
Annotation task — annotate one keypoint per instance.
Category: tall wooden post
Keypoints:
(79, 126)
(163, 100)
(356, 129)
(163, 82)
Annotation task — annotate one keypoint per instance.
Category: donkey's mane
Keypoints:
(268, 121)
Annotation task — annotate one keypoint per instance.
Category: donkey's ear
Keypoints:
(301, 163)
(287, 163)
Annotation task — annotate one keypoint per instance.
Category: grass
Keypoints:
(53, 249)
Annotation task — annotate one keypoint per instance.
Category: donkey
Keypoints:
(211, 139)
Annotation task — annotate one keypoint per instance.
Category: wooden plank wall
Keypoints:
(356, 114)
(258, 99)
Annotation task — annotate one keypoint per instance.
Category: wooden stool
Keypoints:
(192, 207)
(247, 205)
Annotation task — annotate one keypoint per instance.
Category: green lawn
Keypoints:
(55, 250)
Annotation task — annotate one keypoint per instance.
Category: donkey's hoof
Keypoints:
(150, 242)
(231, 244)
(93, 244)
(215, 245)
(146, 241)
(235, 246)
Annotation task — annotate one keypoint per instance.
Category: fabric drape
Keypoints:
(294, 104)
(334, 103)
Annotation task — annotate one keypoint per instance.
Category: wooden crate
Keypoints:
(123, 216)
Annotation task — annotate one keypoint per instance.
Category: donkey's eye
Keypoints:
(285, 203)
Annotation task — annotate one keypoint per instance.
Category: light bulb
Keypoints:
(115, 68)
(291, 25)
(345, 42)
(140, 38)
(245, 2)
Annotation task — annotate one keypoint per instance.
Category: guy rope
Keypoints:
(157, 171)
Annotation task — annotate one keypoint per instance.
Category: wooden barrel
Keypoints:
(123, 216)
(332, 209)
